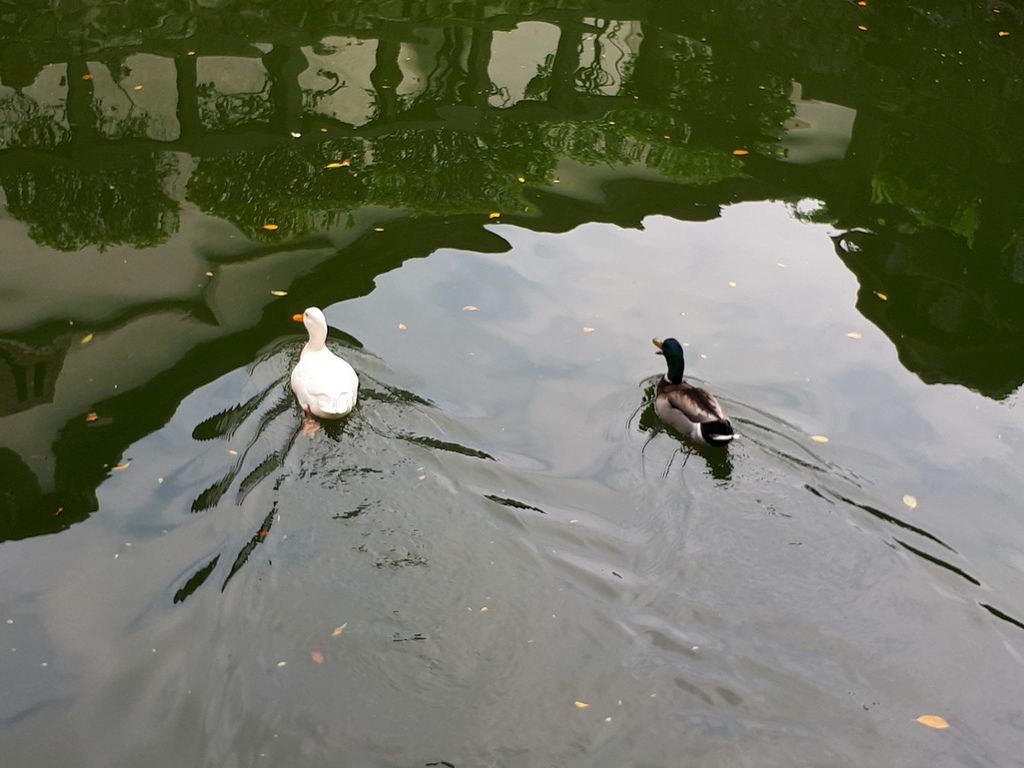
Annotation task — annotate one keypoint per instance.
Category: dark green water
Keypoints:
(498, 205)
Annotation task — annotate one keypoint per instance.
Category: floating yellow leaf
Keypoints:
(521, 179)
(588, 329)
(932, 721)
(232, 452)
(732, 283)
(278, 293)
(87, 76)
(494, 215)
(338, 630)
(910, 501)
(580, 704)
(853, 335)
(270, 227)
(882, 296)
(741, 152)
(208, 274)
(282, 663)
(316, 656)
(136, 87)
(1003, 33)
(402, 326)
(819, 438)
(862, 3)
(470, 308)
(333, 165)
(91, 416)
(123, 465)
(862, 28)
(666, 136)
(378, 229)
(87, 338)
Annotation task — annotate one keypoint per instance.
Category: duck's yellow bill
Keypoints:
(297, 317)
(657, 342)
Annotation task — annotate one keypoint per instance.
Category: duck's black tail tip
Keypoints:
(717, 432)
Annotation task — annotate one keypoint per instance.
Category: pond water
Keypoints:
(501, 557)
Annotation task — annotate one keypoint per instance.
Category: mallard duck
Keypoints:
(689, 410)
(325, 385)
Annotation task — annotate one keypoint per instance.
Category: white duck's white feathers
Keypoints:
(324, 384)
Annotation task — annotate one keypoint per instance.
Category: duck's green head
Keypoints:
(673, 352)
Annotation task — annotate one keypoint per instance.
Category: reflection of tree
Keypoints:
(949, 324)
(639, 136)
(444, 82)
(436, 170)
(220, 111)
(430, 171)
(24, 124)
(449, 172)
(20, 498)
(936, 146)
(121, 199)
(596, 76)
(287, 185)
(721, 99)
(539, 85)
(426, 171)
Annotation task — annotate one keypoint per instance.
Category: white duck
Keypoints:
(325, 385)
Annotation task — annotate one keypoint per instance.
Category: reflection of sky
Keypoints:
(818, 130)
(44, 97)
(424, 68)
(611, 53)
(338, 79)
(516, 58)
(232, 75)
(777, 339)
(141, 102)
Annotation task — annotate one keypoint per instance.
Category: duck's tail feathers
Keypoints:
(336, 407)
(717, 432)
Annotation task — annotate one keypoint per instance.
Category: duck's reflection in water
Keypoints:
(717, 460)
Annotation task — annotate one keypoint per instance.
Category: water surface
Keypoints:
(501, 558)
